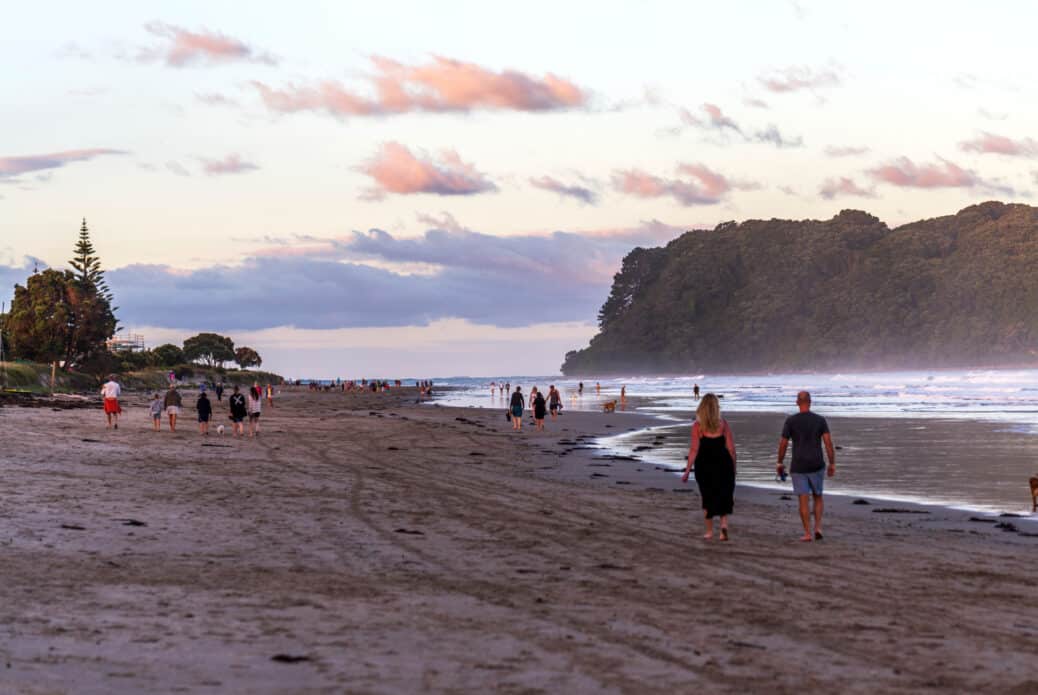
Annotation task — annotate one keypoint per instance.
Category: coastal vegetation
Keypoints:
(849, 292)
(65, 320)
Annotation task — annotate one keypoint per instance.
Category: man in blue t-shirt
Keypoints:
(808, 431)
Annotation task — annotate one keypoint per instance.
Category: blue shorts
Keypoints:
(517, 411)
(809, 483)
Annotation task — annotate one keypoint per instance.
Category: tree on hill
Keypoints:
(55, 318)
(168, 355)
(247, 357)
(211, 349)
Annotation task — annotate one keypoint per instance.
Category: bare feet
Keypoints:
(806, 538)
(724, 534)
(708, 536)
(818, 535)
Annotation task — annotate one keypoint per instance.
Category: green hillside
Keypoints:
(768, 295)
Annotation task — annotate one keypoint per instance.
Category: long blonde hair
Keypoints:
(708, 414)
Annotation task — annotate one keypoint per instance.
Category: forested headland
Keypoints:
(849, 292)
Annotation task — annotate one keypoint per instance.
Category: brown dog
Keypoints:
(1034, 493)
(609, 407)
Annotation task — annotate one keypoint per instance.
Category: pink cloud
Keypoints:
(794, 79)
(581, 193)
(14, 166)
(441, 85)
(396, 170)
(184, 47)
(701, 186)
(231, 164)
(845, 151)
(906, 173)
(843, 186)
(990, 143)
(715, 118)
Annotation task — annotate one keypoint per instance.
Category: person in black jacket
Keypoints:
(238, 412)
(540, 408)
(205, 411)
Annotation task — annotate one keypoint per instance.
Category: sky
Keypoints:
(435, 189)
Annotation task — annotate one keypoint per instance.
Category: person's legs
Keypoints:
(819, 507)
(709, 525)
(108, 420)
(156, 423)
(805, 517)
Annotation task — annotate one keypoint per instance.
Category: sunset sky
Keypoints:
(432, 189)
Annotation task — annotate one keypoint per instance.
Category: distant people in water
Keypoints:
(554, 401)
(172, 403)
(598, 388)
(516, 406)
(110, 393)
(695, 392)
(239, 411)
(808, 431)
(580, 388)
(712, 456)
(205, 412)
(623, 393)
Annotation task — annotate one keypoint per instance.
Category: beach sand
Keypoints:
(377, 546)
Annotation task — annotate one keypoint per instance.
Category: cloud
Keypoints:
(396, 170)
(581, 193)
(445, 221)
(845, 151)
(905, 173)
(514, 280)
(714, 119)
(795, 79)
(15, 166)
(231, 164)
(990, 143)
(702, 186)
(771, 135)
(215, 99)
(441, 85)
(177, 168)
(755, 103)
(832, 188)
(182, 47)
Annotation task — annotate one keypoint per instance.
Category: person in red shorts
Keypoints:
(110, 392)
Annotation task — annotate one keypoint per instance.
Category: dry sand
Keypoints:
(428, 549)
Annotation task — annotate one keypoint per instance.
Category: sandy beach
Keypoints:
(367, 544)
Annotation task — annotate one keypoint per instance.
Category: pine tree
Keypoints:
(87, 265)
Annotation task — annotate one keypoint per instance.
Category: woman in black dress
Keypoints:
(712, 454)
(540, 409)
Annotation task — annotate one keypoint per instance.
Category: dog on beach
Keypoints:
(609, 407)
(1034, 493)
(219, 430)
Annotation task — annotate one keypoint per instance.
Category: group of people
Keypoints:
(242, 407)
(711, 456)
(539, 403)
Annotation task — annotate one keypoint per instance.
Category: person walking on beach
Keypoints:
(239, 411)
(808, 431)
(110, 392)
(205, 411)
(695, 392)
(712, 454)
(219, 391)
(270, 395)
(539, 410)
(172, 404)
(156, 412)
(254, 402)
(554, 401)
(516, 408)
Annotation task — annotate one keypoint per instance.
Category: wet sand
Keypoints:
(375, 546)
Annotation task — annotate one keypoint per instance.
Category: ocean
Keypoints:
(961, 438)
